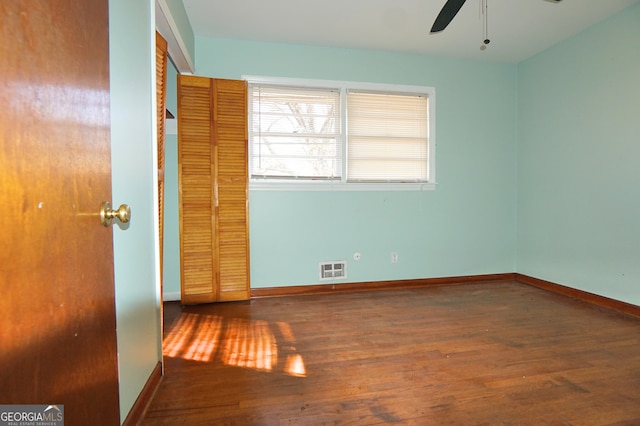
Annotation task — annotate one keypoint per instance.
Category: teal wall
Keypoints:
(579, 161)
(132, 71)
(172, 89)
(465, 227)
(171, 260)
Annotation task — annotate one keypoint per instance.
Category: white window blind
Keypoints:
(295, 133)
(387, 137)
(340, 135)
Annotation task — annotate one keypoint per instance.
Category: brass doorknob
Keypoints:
(108, 215)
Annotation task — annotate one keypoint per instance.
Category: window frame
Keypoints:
(342, 184)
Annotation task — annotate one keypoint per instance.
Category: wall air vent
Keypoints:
(333, 270)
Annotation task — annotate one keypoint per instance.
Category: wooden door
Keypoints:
(231, 172)
(58, 327)
(213, 179)
(198, 265)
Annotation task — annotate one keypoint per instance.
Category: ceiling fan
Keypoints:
(450, 10)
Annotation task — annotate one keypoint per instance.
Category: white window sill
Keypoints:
(339, 186)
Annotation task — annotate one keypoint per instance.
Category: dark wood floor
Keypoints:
(475, 354)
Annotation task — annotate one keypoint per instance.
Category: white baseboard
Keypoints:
(171, 296)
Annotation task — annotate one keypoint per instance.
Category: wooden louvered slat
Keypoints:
(161, 101)
(230, 139)
(196, 190)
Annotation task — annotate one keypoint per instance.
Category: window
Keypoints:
(387, 137)
(331, 135)
(295, 133)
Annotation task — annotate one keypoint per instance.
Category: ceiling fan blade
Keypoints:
(446, 15)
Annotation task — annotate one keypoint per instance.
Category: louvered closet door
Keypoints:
(212, 152)
(230, 141)
(196, 190)
(161, 106)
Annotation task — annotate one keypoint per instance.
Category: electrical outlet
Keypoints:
(394, 257)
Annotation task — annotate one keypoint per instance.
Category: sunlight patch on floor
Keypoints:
(237, 342)
(250, 344)
(193, 337)
(295, 366)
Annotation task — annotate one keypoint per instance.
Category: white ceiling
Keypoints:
(518, 29)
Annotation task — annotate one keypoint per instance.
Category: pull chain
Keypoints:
(484, 5)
